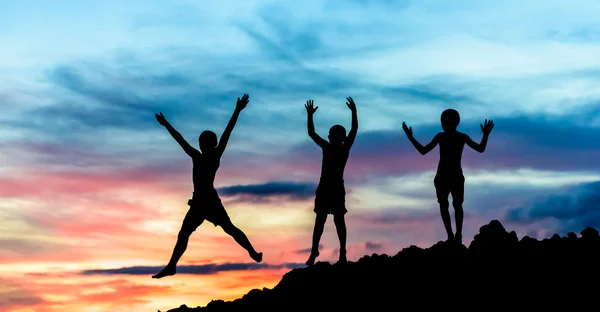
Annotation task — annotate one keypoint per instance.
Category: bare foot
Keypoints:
(167, 271)
(312, 258)
(257, 257)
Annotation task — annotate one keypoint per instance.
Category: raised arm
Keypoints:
(352, 134)
(311, 109)
(176, 135)
(240, 105)
(486, 128)
(422, 149)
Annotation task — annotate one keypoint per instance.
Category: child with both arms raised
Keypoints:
(449, 178)
(331, 193)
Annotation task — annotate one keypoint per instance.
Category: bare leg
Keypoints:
(458, 216)
(340, 226)
(444, 206)
(317, 232)
(242, 240)
(188, 226)
(180, 247)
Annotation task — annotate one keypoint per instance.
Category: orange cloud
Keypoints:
(51, 292)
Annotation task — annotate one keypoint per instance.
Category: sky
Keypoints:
(93, 190)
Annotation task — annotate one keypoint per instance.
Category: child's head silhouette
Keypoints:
(337, 135)
(450, 119)
(208, 141)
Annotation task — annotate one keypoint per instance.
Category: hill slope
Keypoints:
(497, 270)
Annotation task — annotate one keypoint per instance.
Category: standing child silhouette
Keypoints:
(331, 193)
(449, 178)
(205, 203)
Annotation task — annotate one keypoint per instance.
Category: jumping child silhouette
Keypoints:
(449, 178)
(205, 203)
(331, 193)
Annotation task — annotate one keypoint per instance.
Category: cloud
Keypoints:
(22, 183)
(307, 250)
(541, 142)
(396, 217)
(138, 87)
(123, 93)
(206, 269)
(571, 209)
(87, 101)
(27, 247)
(293, 45)
(372, 246)
(293, 190)
(110, 294)
(97, 95)
(357, 250)
(18, 298)
(415, 191)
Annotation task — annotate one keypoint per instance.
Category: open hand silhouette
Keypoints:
(407, 130)
(241, 103)
(310, 108)
(161, 119)
(351, 104)
(487, 126)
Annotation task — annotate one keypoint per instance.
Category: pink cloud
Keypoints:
(41, 183)
(15, 296)
(107, 216)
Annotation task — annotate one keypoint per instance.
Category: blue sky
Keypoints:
(80, 82)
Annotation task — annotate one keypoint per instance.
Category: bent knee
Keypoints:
(444, 203)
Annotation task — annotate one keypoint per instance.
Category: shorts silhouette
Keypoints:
(209, 208)
(330, 198)
(450, 184)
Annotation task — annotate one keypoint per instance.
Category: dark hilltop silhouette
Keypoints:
(496, 271)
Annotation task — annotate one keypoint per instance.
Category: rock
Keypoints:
(589, 233)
